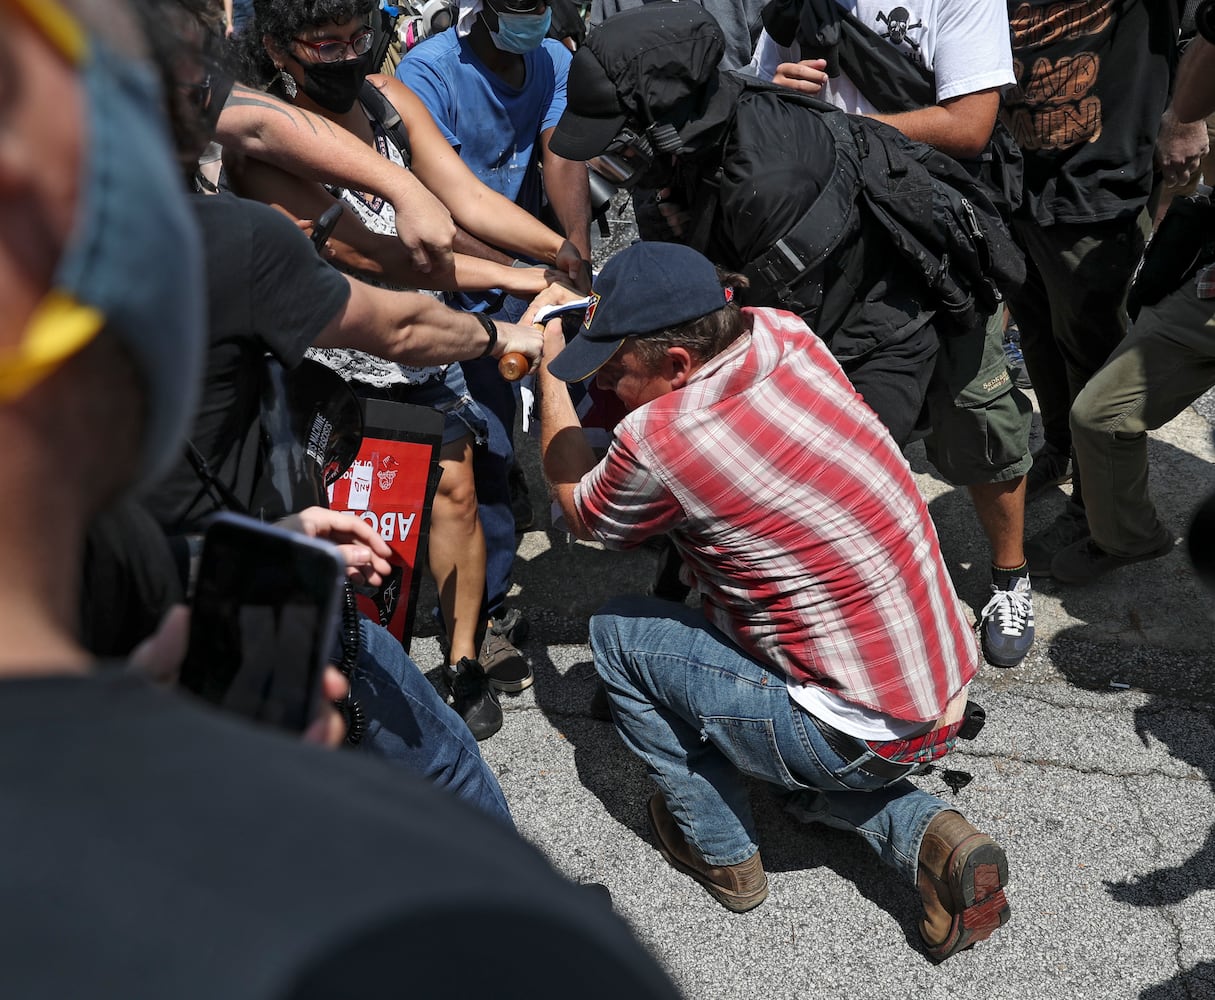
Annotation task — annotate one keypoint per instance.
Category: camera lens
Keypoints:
(1204, 20)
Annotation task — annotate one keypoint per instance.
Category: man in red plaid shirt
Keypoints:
(830, 654)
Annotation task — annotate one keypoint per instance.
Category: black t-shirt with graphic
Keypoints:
(1092, 81)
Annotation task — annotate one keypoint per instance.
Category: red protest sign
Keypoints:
(391, 486)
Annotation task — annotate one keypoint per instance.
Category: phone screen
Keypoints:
(264, 616)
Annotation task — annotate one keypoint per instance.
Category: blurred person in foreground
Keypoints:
(157, 848)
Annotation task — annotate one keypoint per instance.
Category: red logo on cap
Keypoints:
(590, 311)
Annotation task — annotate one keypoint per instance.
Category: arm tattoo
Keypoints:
(245, 97)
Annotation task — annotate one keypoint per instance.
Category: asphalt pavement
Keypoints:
(1094, 772)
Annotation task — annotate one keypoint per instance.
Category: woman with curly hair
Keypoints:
(316, 55)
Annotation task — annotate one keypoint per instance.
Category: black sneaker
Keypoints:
(1085, 561)
(1068, 528)
(473, 698)
(1051, 467)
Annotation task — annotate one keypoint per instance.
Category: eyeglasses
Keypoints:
(332, 50)
(198, 94)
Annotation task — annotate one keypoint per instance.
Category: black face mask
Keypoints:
(336, 86)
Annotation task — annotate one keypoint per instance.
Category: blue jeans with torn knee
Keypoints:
(701, 713)
(409, 724)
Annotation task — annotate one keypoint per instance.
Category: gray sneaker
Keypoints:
(505, 666)
(1006, 624)
(1068, 528)
(1051, 468)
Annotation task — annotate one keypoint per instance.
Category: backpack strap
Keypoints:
(380, 108)
(888, 77)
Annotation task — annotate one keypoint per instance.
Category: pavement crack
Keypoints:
(1062, 765)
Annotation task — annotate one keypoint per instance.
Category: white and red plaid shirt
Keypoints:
(798, 521)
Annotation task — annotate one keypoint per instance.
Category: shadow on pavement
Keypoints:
(1198, 981)
(1185, 732)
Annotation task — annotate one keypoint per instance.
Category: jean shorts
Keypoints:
(462, 415)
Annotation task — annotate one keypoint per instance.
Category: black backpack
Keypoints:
(937, 217)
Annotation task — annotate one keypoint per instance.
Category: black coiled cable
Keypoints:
(352, 711)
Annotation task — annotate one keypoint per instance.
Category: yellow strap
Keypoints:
(59, 27)
(59, 328)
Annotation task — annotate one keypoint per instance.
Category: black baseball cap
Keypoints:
(638, 64)
(645, 289)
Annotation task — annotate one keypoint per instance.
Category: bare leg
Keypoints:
(1001, 510)
(457, 550)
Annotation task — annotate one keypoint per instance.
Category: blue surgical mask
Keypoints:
(134, 258)
(520, 33)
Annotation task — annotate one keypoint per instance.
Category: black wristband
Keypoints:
(492, 330)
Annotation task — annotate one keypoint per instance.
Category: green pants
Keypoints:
(1164, 364)
(980, 420)
(1072, 310)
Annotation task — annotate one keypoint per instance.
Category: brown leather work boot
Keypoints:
(737, 887)
(961, 881)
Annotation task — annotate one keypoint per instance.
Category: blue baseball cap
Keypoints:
(644, 290)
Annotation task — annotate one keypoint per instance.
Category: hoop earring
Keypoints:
(289, 85)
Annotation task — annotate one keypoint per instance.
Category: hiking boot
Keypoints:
(961, 880)
(1085, 561)
(1051, 467)
(1069, 527)
(739, 887)
(473, 698)
(1006, 625)
(504, 665)
(1014, 359)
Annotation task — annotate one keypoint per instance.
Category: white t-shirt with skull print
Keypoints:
(964, 42)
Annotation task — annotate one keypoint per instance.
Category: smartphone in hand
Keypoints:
(265, 612)
(323, 228)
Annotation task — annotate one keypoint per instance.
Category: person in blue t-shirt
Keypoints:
(496, 87)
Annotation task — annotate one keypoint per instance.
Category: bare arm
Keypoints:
(481, 211)
(415, 329)
(960, 126)
(363, 252)
(569, 192)
(258, 126)
(1194, 93)
(564, 450)
(568, 188)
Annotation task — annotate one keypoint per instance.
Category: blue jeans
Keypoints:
(408, 723)
(701, 713)
(242, 14)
